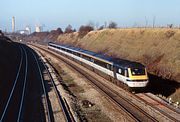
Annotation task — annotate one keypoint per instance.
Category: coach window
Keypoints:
(75, 53)
(101, 63)
(109, 66)
(86, 57)
(92, 60)
(69, 51)
(78, 54)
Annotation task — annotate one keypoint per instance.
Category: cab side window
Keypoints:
(121, 71)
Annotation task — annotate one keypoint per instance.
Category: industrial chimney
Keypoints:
(13, 24)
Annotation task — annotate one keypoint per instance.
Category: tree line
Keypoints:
(84, 29)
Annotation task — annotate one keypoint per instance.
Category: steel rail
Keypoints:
(66, 114)
(44, 89)
(24, 88)
(169, 107)
(15, 82)
(158, 109)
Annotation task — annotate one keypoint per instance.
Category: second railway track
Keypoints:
(55, 107)
(13, 109)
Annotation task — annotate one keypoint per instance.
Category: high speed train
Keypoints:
(133, 74)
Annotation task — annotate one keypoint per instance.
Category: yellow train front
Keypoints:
(133, 74)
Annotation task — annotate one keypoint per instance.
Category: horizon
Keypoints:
(59, 14)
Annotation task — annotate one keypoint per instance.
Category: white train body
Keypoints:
(133, 74)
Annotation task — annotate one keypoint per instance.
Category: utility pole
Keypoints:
(146, 21)
(105, 24)
(154, 20)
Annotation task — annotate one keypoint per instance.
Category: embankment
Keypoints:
(9, 62)
(158, 49)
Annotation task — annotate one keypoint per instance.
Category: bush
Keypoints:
(58, 31)
(83, 30)
(170, 33)
(112, 25)
(69, 29)
(101, 27)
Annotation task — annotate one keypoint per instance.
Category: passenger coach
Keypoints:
(133, 74)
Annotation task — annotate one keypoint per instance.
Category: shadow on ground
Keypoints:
(161, 86)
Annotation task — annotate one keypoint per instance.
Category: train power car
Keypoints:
(133, 74)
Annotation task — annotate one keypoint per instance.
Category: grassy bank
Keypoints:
(158, 49)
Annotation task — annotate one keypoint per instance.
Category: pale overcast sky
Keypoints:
(59, 13)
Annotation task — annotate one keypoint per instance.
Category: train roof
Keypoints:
(126, 63)
(88, 52)
(75, 48)
(104, 57)
(115, 61)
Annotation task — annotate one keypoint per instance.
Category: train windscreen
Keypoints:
(137, 71)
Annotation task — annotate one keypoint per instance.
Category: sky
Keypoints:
(52, 14)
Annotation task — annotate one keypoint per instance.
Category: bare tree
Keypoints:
(170, 25)
(60, 30)
(105, 24)
(112, 25)
(101, 27)
(146, 21)
(68, 29)
(83, 30)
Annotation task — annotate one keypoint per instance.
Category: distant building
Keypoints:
(38, 29)
(28, 29)
(13, 24)
(23, 32)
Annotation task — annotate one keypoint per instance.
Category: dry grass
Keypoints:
(158, 49)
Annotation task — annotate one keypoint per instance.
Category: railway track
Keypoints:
(168, 115)
(133, 111)
(15, 106)
(54, 103)
(160, 106)
(13, 109)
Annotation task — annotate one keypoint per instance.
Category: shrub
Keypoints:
(83, 30)
(101, 27)
(58, 31)
(112, 25)
(169, 33)
(68, 29)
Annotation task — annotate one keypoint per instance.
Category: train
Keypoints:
(132, 74)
